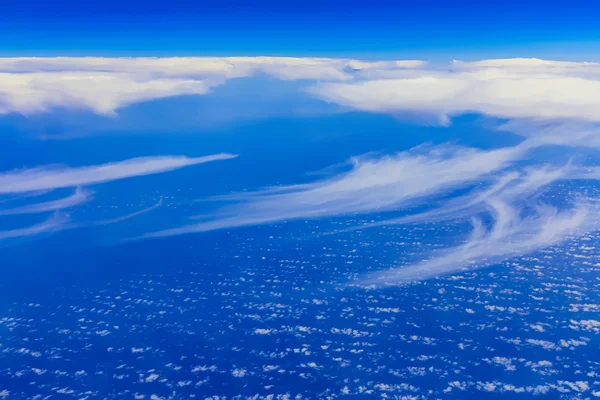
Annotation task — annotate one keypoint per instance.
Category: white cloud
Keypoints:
(373, 184)
(43, 178)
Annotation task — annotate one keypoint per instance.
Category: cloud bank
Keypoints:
(103, 85)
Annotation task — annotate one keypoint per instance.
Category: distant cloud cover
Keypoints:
(505, 88)
(546, 102)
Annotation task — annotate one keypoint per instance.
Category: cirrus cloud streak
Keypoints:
(44, 178)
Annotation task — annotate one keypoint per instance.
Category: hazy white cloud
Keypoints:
(372, 184)
(80, 196)
(56, 222)
(54, 177)
(102, 85)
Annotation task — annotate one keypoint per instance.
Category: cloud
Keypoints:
(80, 196)
(103, 85)
(56, 222)
(43, 178)
(372, 184)
(521, 88)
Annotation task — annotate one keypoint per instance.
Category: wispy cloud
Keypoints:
(80, 196)
(508, 187)
(49, 177)
(372, 184)
(520, 225)
(513, 233)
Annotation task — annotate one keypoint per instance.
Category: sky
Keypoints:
(432, 29)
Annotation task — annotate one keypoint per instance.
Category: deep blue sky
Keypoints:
(369, 29)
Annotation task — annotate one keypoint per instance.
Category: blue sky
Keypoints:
(375, 29)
